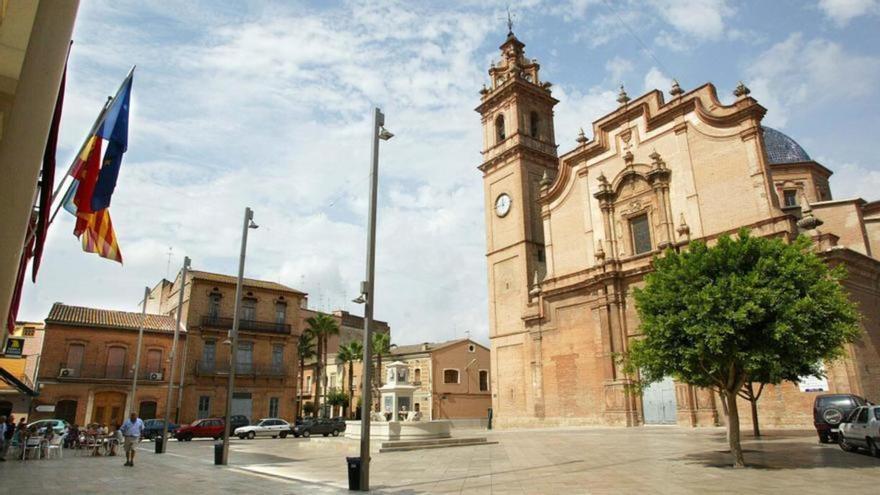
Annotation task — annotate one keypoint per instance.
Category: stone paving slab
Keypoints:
(571, 461)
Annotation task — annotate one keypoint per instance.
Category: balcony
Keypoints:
(205, 368)
(93, 372)
(246, 325)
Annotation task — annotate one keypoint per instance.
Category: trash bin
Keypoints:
(218, 452)
(490, 419)
(160, 444)
(354, 473)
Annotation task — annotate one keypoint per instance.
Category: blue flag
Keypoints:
(115, 130)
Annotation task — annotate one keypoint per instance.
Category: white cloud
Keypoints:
(617, 67)
(799, 72)
(853, 180)
(656, 79)
(700, 19)
(843, 11)
(578, 109)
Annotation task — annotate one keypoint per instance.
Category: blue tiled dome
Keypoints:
(783, 149)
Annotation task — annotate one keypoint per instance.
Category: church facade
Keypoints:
(569, 236)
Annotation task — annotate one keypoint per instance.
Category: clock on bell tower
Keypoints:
(519, 147)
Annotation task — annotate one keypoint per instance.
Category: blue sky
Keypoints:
(268, 104)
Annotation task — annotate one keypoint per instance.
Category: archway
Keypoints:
(109, 408)
(147, 410)
(66, 410)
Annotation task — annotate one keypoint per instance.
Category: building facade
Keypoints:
(452, 377)
(14, 398)
(569, 237)
(87, 365)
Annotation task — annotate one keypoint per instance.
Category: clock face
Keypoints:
(502, 205)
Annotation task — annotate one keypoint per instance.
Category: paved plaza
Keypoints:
(570, 461)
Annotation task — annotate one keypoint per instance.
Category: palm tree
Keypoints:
(350, 353)
(381, 345)
(305, 349)
(321, 326)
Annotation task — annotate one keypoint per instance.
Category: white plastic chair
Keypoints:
(56, 444)
(33, 443)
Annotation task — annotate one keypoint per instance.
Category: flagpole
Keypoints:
(137, 354)
(164, 438)
(98, 122)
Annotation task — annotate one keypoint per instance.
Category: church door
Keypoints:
(658, 403)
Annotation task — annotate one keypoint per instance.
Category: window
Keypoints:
(277, 357)
(214, 306)
(280, 312)
(417, 376)
(533, 124)
(641, 234)
(249, 309)
(450, 376)
(308, 384)
(115, 362)
(863, 415)
(28, 332)
(74, 357)
(154, 361)
(273, 407)
(245, 357)
(484, 380)
(472, 348)
(417, 407)
(789, 197)
(499, 128)
(877, 412)
(204, 407)
(147, 410)
(209, 354)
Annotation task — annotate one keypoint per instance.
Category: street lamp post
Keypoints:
(132, 402)
(164, 439)
(368, 298)
(233, 334)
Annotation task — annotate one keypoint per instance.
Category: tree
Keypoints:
(321, 326)
(309, 408)
(748, 309)
(349, 353)
(305, 349)
(381, 345)
(337, 398)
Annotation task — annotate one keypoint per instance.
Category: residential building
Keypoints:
(18, 376)
(452, 377)
(87, 364)
(570, 236)
(335, 373)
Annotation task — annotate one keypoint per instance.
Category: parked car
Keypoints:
(238, 421)
(267, 427)
(320, 426)
(861, 430)
(59, 425)
(830, 410)
(153, 428)
(200, 428)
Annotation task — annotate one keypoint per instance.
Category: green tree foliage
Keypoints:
(309, 408)
(349, 353)
(321, 326)
(337, 398)
(305, 349)
(748, 309)
(381, 346)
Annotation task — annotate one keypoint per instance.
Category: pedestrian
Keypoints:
(2, 438)
(132, 429)
(7, 437)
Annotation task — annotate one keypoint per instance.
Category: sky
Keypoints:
(268, 105)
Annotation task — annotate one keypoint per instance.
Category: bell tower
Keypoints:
(519, 152)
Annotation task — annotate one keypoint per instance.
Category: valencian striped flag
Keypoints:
(95, 177)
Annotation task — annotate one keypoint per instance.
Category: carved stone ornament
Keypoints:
(676, 89)
(622, 97)
(741, 90)
(581, 137)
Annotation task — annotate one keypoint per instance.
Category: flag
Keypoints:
(47, 179)
(15, 301)
(99, 237)
(115, 131)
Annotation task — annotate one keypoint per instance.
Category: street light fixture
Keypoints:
(233, 334)
(368, 298)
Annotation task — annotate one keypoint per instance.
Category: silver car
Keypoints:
(861, 430)
(268, 427)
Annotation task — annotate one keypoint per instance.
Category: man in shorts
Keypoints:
(132, 429)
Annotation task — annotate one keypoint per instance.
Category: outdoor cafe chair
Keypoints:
(56, 444)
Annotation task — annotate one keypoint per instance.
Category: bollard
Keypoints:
(218, 452)
(160, 444)
(490, 419)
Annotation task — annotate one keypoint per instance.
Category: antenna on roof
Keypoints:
(168, 265)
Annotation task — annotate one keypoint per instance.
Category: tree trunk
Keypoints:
(302, 385)
(733, 429)
(351, 403)
(756, 430)
(317, 400)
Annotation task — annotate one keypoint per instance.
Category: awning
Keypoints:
(15, 382)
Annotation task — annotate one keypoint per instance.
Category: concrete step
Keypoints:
(407, 445)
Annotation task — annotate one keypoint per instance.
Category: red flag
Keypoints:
(47, 179)
(14, 303)
(86, 172)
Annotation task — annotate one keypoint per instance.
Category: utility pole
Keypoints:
(132, 403)
(180, 289)
(233, 334)
(368, 298)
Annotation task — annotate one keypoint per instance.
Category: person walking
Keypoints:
(2, 438)
(132, 429)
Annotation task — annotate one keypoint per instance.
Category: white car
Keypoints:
(861, 430)
(268, 427)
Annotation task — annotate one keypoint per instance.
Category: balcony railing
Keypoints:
(93, 372)
(246, 325)
(207, 368)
